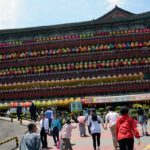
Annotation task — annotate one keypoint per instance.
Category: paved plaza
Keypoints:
(9, 129)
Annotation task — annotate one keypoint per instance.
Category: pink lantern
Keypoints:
(47, 69)
(133, 62)
(140, 44)
(69, 50)
(76, 36)
(68, 67)
(46, 52)
(85, 49)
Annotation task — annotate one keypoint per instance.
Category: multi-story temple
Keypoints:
(109, 56)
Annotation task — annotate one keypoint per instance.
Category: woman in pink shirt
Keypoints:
(66, 133)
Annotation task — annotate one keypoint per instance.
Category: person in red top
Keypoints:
(125, 130)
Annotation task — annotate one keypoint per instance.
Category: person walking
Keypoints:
(82, 129)
(44, 125)
(48, 114)
(19, 111)
(125, 130)
(86, 119)
(93, 123)
(142, 118)
(33, 112)
(66, 133)
(111, 118)
(63, 118)
(55, 127)
(31, 140)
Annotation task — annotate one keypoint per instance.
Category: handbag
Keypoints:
(60, 144)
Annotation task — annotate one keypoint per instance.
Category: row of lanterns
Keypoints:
(79, 49)
(25, 104)
(75, 66)
(76, 36)
(46, 104)
(72, 82)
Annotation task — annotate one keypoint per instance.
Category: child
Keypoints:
(82, 128)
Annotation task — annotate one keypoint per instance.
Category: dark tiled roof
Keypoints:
(100, 20)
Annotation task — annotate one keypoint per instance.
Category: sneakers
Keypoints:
(146, 134)
(98, 149)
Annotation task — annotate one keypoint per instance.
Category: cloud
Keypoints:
(9, 13)
(111, 3)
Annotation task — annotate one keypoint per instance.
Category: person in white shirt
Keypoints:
(44, 126)
(93, 123)
(110, 119)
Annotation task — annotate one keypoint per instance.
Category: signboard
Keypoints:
(89, 99)
(123, 98)
(75, 106)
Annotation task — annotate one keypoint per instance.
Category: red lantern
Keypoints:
(15, 105)
(28, 104)
(12, 104)
(22, 104)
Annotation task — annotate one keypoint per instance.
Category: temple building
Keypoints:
(107, 58)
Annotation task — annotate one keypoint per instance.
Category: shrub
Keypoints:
(117, 111)
(134, 116)
(13, 113)
(28, 117)
(118, 107)
(133, 111)
(78, 111)
(135, 106)
(148, 115)
(4, 107)
(146, 108)
(101, 110)
(107, 108)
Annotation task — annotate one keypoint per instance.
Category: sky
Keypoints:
(30, 13)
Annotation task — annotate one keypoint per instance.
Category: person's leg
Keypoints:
(113, 132)
(67, 144)
(57, 135)
(18, 117)
(145, 127)
(98, 139)
(89, 130)
(122, 144)
(49, 126)
(80, 129)
(45, 140)
(83, 130)
(41, 135)
(94, 140)
(35, 118)
(142, 128)
(130, 144)
(54, 137)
